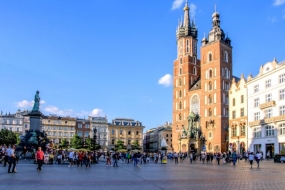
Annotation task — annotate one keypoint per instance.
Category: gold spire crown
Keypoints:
(186, 6)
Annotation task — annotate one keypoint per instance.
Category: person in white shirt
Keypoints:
(258, 157)
(71, 159)
(251, 158)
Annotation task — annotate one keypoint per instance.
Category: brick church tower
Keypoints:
(201, 86)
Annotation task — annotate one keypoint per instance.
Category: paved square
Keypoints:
(149, 176)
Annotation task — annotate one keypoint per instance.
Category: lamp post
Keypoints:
(94, 143)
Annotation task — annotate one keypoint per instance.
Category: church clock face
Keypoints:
(195, 105)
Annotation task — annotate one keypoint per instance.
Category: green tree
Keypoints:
(135, 145)
(64, 143)
(76, 141)
(8, 137)
(88, 143)
(120, 145)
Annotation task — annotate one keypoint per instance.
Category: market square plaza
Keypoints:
(149, 176)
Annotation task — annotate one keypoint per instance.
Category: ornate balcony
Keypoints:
(267, 104)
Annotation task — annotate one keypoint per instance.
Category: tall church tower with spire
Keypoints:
(202, 86)
(186, 71)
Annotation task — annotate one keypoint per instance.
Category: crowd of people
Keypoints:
(81, 158)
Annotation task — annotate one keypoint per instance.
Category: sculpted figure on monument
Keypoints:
(37, 99)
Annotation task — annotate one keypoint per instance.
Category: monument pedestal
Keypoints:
(35, 120)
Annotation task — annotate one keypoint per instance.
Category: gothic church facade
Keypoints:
(201, 85)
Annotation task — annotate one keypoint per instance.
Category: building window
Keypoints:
(194, 70)
(282, 110)
(268, 97)
(234, 129)
(268, 83)
(210, 85)
(180, 82)
(113, 141)
(194, 60)
(79, 125)
(210, 99)
(180, 105)
(113, 132)
(210, 73)
(256, 88)
(242, 131)
(121, 132)
(234, 101)
(137, 133)
(234, 114)
(282, 129)
(210, 57)
(256, 102)
(268, 113)
(129, 142)
(180, 71)
(129, 133)
(256, 116)
(257, 132)
(282, 94)
(226, 56)
(87, 125)
(282, 78)
(269, 130)
(210, 112)
(210, 135)
(180, 117)
(180, 93)
(241, 99)
(210, 146)
(242, 112)
(79, 133)
(180, 60)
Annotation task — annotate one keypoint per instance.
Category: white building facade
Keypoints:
(13, 122)
(266, 109)
(101, 124)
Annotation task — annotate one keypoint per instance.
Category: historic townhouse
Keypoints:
(202, 86)
(126, 130)
(238, 125)
(13, 122)
(58, 128)
(101, 125)
(266, 108)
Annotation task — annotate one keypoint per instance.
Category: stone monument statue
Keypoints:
(37, 99)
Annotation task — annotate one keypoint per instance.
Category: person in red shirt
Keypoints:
(39, 157)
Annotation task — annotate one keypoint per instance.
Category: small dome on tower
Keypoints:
(215, 14)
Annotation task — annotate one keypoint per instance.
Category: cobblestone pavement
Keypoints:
(149, 176)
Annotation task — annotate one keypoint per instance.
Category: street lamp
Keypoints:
(94, 143)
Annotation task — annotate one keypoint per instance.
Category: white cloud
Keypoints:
(166, 80)
(27, 104)
(193, 8)
(97, 112)
(55, 110)
(177, 4)
(278, 2)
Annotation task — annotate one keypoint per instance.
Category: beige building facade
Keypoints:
(126, 130)
(238, 125)
(58, 128)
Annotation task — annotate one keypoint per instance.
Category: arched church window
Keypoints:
(210, 112)
(210, 73)
(187, 46)
(194, 60)
(180, 60)
(226, 57)
(210, 85)
(194, 70)
(180, 105)
(210, 57)
(210, 99)
(180, 93)
(180, 82)
(180, 117)
(180, 71)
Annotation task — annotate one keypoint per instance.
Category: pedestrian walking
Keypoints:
(258, 158)
(251, 158)
(234, 157)
(12, 160)
(39, 157)
(176, 157)
(115, 159)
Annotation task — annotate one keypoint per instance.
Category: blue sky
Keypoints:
(107, 57)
